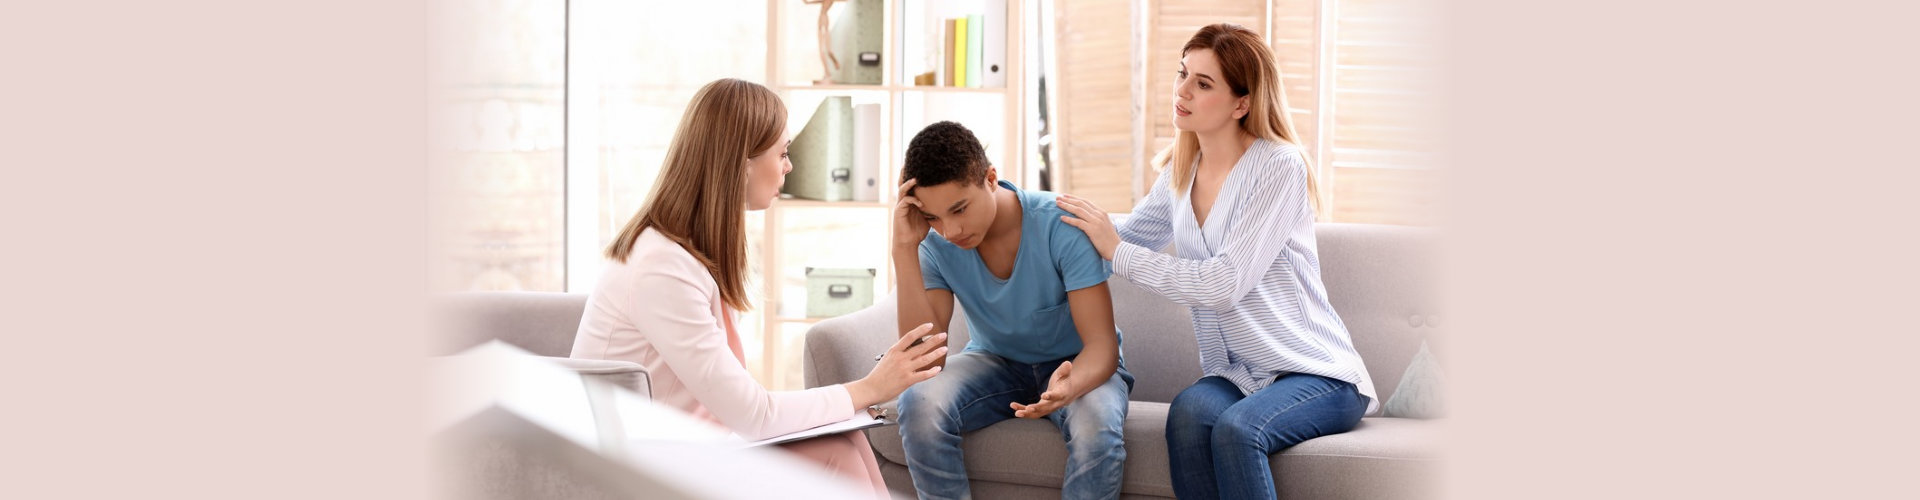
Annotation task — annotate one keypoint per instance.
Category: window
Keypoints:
(499, 156)
(554, 116)
(632, 67)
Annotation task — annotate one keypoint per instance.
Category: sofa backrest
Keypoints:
(1157, 340)
(543, 323)
(1383, 283)
(1380, 279)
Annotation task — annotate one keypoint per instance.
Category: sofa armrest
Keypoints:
(624, 374)
(841, 349)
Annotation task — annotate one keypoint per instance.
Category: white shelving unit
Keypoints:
(792, 66)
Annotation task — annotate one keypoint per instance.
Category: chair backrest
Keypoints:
(543, 323)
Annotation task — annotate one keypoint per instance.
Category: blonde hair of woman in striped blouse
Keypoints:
(1236, 199)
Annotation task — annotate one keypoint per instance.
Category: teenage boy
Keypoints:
(1034, 291)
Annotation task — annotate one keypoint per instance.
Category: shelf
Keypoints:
(797, 232)
(835, 87)
(797, 202)
(953, 90)
(893, 88)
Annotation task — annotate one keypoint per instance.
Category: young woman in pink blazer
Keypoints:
(676, 279)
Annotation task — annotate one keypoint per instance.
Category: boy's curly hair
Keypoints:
(945, 152)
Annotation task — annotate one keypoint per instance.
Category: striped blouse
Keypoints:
(1250, 276)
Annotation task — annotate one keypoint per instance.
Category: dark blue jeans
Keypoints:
(1218, 441)
(973, 392)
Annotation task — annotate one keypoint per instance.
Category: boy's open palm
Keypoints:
(1059, 393)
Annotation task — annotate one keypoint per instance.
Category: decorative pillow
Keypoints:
(1419, 394)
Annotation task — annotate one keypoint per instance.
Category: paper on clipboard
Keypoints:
(858, 422)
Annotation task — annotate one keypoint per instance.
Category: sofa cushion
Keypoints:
(1382, 458)
(1031, 452)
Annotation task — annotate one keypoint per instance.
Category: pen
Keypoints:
(922, 338)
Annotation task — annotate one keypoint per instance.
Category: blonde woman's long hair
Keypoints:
(1248, 67)
(698, 200)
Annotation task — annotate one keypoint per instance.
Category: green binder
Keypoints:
(822, 154)
(976, 28)
(857, 31)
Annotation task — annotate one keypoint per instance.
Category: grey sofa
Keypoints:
(1381, 283)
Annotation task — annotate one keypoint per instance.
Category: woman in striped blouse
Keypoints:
(1238, 203)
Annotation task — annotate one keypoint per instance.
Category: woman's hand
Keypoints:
(909, 224)
(901, 366)
(1091, 220)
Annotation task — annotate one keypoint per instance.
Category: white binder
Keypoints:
(993, 50)
(866, 152)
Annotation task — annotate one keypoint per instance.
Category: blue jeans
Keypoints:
(974, 391)
(1218, 441)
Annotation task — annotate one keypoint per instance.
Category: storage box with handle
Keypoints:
(836, 291)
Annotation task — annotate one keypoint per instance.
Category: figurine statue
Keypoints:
(828, 63)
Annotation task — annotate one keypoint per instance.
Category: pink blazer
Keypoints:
(662, 309)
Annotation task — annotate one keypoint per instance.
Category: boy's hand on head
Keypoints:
(909, 223)
(1059, 393)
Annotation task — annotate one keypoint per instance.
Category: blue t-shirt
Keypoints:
(1025, 317)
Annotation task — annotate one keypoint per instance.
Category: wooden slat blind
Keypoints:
(1170, 24)
(1376, 156)
(1295, 42)
(1094, 99)
(1380, 156)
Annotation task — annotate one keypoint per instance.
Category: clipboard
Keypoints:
(862, 421)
